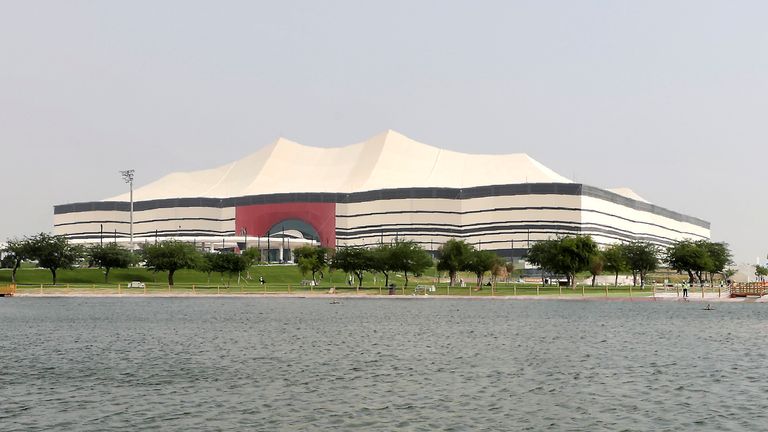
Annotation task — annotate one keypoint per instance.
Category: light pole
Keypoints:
(128, 177)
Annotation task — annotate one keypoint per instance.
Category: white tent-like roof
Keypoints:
(386, 161)
(628, 193)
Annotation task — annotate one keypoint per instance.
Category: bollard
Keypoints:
(193, 288)
(514, 289)
(145, 289)
(582, 290)
(677, 288)
(41, 288)
(630, 291)
(448, 289)
(606, 290)
(718, 292)
(118, 289)
(702, 291)
(537, 290)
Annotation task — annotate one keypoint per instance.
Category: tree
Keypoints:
(383, 261)
(567, 255)
(642, 257)
(596, 266)
(170, 255)
(452, 257)
(501, 269)
(615, 260)
(690, 257)
(18, 251)
(207, 263)
(231, 264)
(544, 255)
(479, 262)
(7, 262)
(311, 259)
(510, 268)
(408, 257)
(720, 257)
(576, 252)
(353, 259)
(252, 256)
(53, 252)
(761, 272)
(109, 257)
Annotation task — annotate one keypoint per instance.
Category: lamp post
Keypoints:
(245, 238)
(128, 177)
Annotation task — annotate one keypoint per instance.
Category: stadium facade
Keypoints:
(363, 194)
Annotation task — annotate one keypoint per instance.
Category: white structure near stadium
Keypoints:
(287, 194)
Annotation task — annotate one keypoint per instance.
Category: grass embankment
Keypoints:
(281, 279)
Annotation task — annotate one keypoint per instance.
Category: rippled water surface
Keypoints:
(304, 364)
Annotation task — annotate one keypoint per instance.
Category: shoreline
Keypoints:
(659, 297)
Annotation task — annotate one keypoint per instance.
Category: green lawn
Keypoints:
(279, 279)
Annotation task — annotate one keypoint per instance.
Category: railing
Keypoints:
(8, 290)
(188, 289)
(744, 289)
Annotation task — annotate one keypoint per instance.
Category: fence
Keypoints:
(8, 290)
(748, 289)
(497, 290)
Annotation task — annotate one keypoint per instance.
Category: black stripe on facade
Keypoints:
(548, 229)
(96, 235)
(537, 227)
(575, 209)
(181, 219)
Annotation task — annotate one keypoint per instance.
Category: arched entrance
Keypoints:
(293, 228)
(314, 219)
(281, 234)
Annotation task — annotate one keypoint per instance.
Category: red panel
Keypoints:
(258, 218)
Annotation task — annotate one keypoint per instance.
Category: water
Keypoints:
(304, 364)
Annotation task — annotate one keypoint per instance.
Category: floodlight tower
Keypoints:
(128, 177)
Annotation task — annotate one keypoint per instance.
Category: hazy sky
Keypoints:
(669, 98)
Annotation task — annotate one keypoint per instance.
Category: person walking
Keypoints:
(685, 290)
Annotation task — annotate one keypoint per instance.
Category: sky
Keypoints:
(669, 98)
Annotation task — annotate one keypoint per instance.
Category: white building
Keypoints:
(386, 187)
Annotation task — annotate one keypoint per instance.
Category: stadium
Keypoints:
(286, 195)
